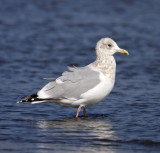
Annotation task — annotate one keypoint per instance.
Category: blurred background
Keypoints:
(40, 38)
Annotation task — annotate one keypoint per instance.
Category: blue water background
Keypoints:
(40, 38)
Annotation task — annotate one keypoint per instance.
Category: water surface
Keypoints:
(40, 38)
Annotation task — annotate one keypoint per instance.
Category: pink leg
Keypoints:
(84, 111)
(78, 110)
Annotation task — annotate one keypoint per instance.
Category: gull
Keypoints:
(83, 86)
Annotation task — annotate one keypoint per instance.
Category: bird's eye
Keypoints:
(109, 45)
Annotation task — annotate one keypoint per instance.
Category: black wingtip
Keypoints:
(20, 101)
(28, 99)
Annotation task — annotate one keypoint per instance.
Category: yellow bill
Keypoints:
(123, 51)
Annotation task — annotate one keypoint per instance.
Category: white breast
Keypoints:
(99, 92)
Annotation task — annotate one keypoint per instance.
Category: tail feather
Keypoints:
(31, 99)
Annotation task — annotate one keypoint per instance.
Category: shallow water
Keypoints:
(40, 38)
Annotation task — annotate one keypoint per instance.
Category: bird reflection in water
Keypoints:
(85, 133)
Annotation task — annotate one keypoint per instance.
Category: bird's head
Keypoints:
(109, 47)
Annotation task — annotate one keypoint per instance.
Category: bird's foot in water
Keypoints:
(79, 109)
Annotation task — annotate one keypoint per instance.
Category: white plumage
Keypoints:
(85, 86)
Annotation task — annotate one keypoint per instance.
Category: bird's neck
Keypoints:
(106, 64)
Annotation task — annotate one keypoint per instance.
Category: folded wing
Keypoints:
(71, 84)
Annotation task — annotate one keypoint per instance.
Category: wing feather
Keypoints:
(74, 82)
